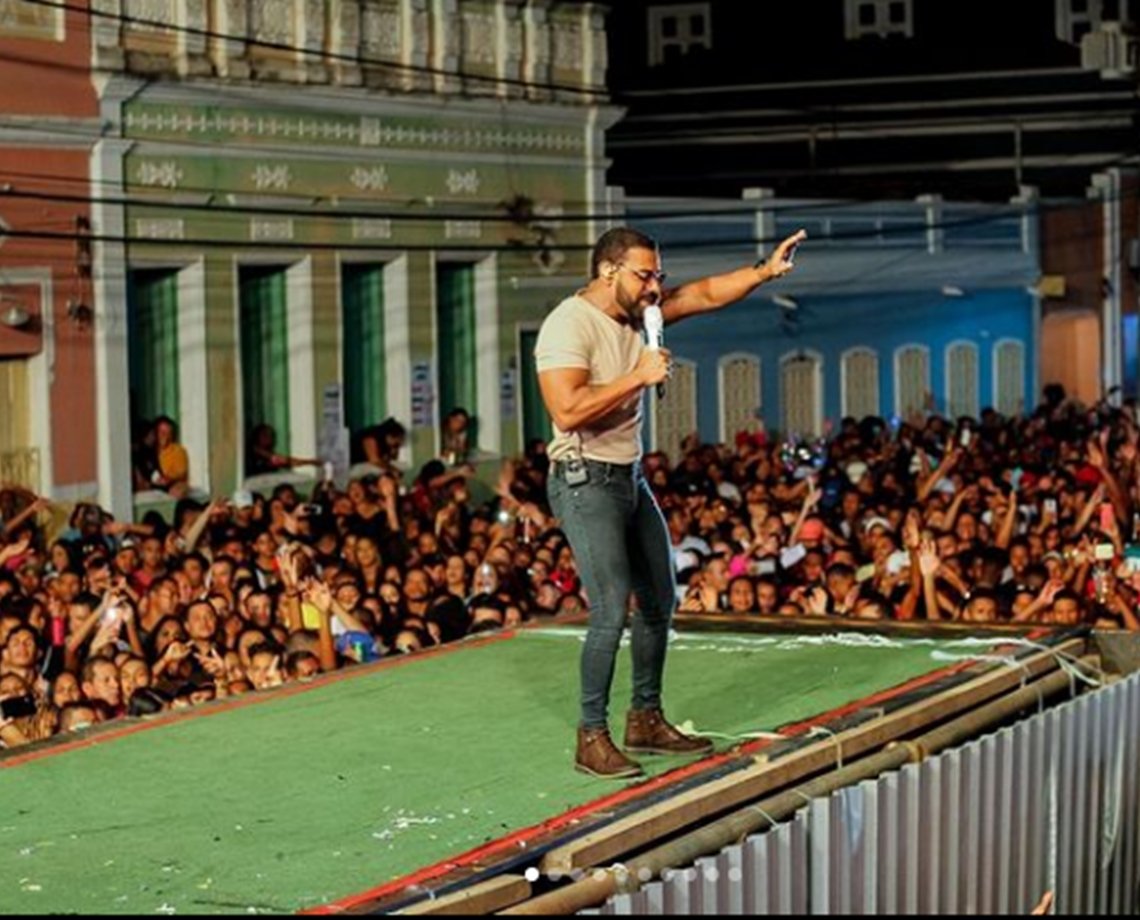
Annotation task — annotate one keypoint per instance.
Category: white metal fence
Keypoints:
(1050, 803)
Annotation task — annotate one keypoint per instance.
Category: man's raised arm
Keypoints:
(708, 294)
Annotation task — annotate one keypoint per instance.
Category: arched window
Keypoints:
(675, 416)
(1009, 377)
(740, 395)
(801, 394)
(859, 382)
(962, 379)
(912, 380)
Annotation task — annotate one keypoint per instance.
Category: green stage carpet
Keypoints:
(303, 799)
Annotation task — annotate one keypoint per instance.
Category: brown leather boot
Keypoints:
(598, 756)
(647, 732)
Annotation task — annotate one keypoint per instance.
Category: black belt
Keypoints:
(559, 466)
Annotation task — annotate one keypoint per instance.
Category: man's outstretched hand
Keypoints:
(781, 261)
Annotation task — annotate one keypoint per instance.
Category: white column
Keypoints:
(445, 44)
(112, 383)
(536, 56)
(193, 21)
(193, 373)
(595, 59)
(1027, 198)
(302, 360)
(416, 42)
(398, 340)
(487, 358)
(615, 206)
(764, 224)
(106, 35)
(509, 41)
(1108, 186)
(230, 17)
(599, 120)
(41, 374)
(112, 376)
(934, 232)
(344, 39)
(311, 37)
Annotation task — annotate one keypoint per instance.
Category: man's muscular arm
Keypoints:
(573, 403)
(717, 291)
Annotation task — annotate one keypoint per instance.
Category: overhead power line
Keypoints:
(672, 245)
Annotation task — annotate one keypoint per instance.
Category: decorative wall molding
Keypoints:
(371, 228)
(568, 45)
(289, 128)
(160, 228)
(463, 182)
(271, 178)
(271, 229)
(159, 174)
(285, 40)
(463, 229)
(29, 20)
(369, 178)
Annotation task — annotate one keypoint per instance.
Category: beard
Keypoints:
(634, 307)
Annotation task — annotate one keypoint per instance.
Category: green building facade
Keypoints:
(375, 200)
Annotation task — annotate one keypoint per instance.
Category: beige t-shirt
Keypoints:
(579, 334)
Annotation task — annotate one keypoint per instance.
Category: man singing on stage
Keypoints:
(593, 366)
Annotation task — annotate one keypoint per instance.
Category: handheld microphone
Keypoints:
(654, 335)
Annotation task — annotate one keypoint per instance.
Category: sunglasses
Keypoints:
(645, 275)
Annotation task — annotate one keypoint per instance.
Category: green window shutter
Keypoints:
(536, 423)
(362, 335)
(265, 351)
(152, 306)
(455, 337)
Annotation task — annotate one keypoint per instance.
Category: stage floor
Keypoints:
(300, 798)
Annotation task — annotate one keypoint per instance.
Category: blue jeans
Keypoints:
(621, 546)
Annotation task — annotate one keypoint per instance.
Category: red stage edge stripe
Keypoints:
(620, 798)
(253, 698)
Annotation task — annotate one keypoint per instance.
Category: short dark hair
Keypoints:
(87, 675)
(1070, 595)
(195, 557)
(167, 420)
(984, 594)
(614, 244)
(391, 427)
(293, 661)
(146, 701)
(265, 648)
(20, 627)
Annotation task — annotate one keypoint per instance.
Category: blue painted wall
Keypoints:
(871, 274)
(832, 325)
(1131, 354)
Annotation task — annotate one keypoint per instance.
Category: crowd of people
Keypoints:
(1026, 520)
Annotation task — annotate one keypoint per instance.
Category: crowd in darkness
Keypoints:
(1026, 519)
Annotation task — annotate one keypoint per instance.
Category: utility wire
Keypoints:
(874, 233)
(1010, 212)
